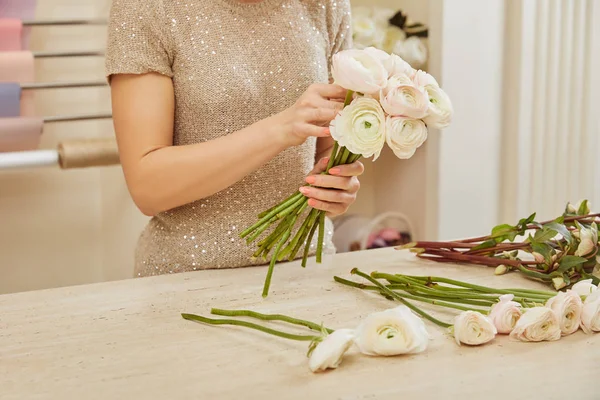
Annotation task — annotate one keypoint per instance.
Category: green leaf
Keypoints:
(503, 232)
(545, 234)
(485, 245)
(562, 229)
(583, 208)
(568, 262)
(560, 220)
(544, 249)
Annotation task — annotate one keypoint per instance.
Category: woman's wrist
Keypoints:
(277, 132)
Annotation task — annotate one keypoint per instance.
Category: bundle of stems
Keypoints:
(442, 292)
(555, 249)
(290, 212)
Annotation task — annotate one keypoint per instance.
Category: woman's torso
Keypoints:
(235, 64)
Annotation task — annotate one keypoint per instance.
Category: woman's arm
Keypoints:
(161, 176)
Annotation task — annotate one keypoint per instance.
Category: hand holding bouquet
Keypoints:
(387, 101)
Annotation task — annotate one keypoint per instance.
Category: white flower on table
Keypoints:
(413, 50)
(590, 316)
(392, 332)
(473, 328)
(505, 313)
(360, 127)
(537, 324)
(584, 287)
(359, 71)
(405, 135)
(568, 307)
(330, 351)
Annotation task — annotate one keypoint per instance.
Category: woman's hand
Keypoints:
(336, 192)
(310, 115)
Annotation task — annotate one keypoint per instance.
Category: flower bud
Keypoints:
(501, 270)
(538, 257)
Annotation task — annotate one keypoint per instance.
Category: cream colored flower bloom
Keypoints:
(392, 332)
(359, 71)
(505, 313)
(584, 287)
(473, 328)
(590, 316)
(403, 99)
(393, 37)
(567, 306)
(360, 127)
(537, 324)
(588, 240)
(414, 51)
(397, 67)
(405, 135)
(329, 352)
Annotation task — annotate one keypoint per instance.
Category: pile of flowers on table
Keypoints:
(388, 102)
(524, 315)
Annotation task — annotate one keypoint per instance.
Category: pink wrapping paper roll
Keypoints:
(10, 34)
(22, 10)
(20, 134)
(17, 66)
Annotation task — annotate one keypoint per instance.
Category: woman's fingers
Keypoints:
(355, 169)
(349, 184)
(330, 208)
(328, 195)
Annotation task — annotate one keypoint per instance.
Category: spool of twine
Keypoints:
(84, 153)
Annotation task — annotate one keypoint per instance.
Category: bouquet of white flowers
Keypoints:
(387, 102)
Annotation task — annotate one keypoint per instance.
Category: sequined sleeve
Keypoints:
(138, 39)
(341, 29)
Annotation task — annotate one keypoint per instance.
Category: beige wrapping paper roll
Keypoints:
(88, 153)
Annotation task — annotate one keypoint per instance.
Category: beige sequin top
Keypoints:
(232, 64)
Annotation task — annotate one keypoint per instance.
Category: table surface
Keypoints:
(127, 340)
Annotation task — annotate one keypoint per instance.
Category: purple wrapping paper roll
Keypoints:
(18, 67)
(21, 9)
(10, 100)
(20, 134)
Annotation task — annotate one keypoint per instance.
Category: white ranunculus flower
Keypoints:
(359, 71)
(595, 295)
(590, 316)
(360, 127)
(330, 351)
(537, 324)
(440, 111)
(567, 306)
(377, 53)
(403, 99)
(396, 66)
(393, 36)
(505, 313)
(405, 135)
(365, 32)
(588, 240)
(423, 79)
(473, 328)
(584, 287)
(413, 50)
(392, 332)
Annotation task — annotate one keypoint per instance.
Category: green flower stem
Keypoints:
(293, 207)
(285, 335)
(396, 296)
(309, 240)
(298, 237)
(321, 236)
(312, 216)
(279, 230)
(285, 237)
(544, 293)
(262, 214)
(436, 279)
(271, 214)
(270, 317)
(333, 154)
(345, 156)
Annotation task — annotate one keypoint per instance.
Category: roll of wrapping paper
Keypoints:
(88, 153)
(11, 30)
(21, 9)
(18, 67)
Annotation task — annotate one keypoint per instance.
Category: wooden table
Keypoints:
(126, 340)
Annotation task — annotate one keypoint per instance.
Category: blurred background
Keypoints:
(522, 76)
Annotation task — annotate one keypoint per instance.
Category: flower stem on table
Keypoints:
(285, 335)
(270, 317)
